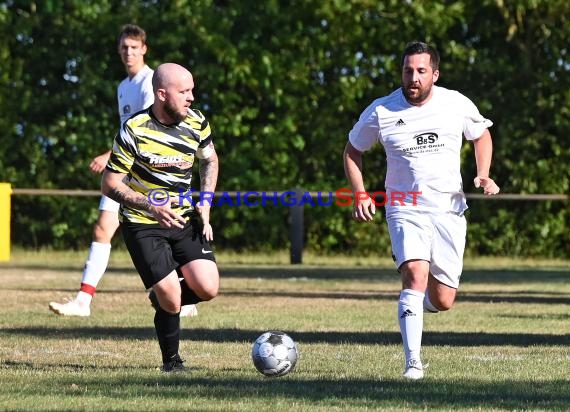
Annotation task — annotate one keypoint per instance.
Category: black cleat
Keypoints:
(174, 365)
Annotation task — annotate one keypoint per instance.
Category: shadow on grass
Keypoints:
(526, 297)
(343, 273)
(301, 392)
(224, 335)
(361, 392)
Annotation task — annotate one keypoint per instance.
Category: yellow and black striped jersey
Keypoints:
(158, 159)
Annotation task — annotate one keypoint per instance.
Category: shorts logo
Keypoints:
(204, 251)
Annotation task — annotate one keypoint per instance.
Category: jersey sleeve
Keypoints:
(205, 141)
(147, 93)
(205, 152)
(474, 123)
(124, 151)
(366, 130)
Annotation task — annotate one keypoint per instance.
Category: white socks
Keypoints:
(94, 270)
(83, 298)
(411, 319)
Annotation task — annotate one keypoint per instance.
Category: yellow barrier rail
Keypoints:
(5, 208)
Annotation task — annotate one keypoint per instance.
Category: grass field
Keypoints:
(504, 346)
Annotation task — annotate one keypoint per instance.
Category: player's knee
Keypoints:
(102, 234)
(105, 228)
(207, 284)
(445, 306)
(170, 306)
(414, 275)
(208, 292)
(443, 303)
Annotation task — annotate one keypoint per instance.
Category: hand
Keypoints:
(203, 211)
(166, 217)
(489, 186)
(363, 210)
(208, 232)
(99, 163)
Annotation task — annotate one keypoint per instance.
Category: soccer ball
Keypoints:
(274, 353)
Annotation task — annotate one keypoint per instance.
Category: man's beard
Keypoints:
(419, 98)
(174, 114)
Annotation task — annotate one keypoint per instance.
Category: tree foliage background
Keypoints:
(282, 83)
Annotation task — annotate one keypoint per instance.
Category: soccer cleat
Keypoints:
(188, 311)
(414, 370)
(176, 364)
(70, 308)
(185, 311)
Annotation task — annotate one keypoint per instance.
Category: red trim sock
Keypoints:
(88, 289)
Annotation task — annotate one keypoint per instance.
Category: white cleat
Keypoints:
(414, 370)
(69, 308)
(188, 311)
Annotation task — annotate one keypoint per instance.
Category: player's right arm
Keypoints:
(363, 207)
(113, 186)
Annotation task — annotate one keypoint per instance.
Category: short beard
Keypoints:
(176, 116)
(416, 100)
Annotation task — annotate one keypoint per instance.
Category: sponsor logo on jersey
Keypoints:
(425, 138)
(424, 143)
(159, 161)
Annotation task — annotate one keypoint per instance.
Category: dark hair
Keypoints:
(133, 31)
(418, 47)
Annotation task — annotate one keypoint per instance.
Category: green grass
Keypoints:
(504, 346)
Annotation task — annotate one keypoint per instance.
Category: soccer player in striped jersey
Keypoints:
(167, 233)
(421, 127)
(134, 93)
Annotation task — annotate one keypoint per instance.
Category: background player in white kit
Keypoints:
(134, 93)
(421, 127)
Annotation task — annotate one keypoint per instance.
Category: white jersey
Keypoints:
(422, 145)
(135, 94)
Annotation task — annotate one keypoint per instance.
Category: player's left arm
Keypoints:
(483, 155)
(209, 168)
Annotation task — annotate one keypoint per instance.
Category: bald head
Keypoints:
(173, 85)
(168, 74)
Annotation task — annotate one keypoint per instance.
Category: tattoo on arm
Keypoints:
(209, 173)
(130, 198)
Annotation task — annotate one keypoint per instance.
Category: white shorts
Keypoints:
(438, 238)
(109, 204)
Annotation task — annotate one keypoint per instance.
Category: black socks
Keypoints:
(189, 297)
(167, 327)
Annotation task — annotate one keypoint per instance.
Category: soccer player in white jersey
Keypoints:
(421, 127)
(133, 94)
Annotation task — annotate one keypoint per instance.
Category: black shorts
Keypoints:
(157, 251)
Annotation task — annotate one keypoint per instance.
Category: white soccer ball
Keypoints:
(274, 353)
